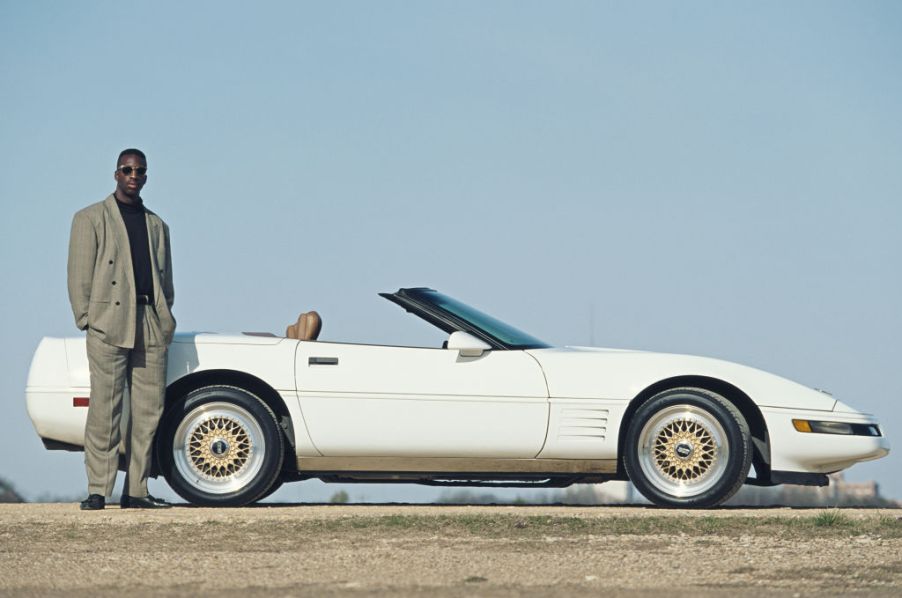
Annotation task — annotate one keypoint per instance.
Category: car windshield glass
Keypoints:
(505, 333)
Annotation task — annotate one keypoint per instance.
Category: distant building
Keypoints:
(608, 493)
(838, 493)
(853, 490)
(7, 493)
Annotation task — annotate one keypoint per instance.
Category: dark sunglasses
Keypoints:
(127, 170)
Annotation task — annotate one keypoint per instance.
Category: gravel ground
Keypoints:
(439, 551)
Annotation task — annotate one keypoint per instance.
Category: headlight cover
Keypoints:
(809, 426)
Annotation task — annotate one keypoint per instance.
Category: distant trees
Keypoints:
(8, 493)
(339, 498)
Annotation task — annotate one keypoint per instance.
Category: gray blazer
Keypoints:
(102, 280)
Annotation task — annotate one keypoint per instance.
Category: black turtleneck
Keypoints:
(136, 225)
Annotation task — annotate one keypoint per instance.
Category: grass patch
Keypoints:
(248, 535)
(832, 518)
(821, 525)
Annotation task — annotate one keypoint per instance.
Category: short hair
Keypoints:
(130, 152)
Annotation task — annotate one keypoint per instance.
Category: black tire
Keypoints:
(271, 490)
(220, 446)
(687, 447)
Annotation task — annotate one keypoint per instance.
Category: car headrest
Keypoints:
(306, 328)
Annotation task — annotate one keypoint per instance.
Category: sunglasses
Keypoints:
(128, 170)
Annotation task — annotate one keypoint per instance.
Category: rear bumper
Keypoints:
(55, 417)
(56, 445)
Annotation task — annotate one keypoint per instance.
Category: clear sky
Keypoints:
(721, 179)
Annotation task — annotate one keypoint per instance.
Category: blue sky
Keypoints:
(712, 178)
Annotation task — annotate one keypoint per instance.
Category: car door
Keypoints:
(371, 400)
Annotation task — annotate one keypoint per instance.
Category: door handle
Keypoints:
(322, 361)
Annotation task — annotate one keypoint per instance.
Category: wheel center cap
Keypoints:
(683, 450)
(219, 447)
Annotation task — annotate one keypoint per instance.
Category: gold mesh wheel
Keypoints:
(683, 450)
(219, 447)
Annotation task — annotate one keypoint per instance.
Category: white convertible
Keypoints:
(493, 406)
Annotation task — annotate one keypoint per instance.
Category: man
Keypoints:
(120, 288)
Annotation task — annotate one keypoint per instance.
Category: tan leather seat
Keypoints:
(306, 328)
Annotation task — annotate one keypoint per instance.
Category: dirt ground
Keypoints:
(443, 551)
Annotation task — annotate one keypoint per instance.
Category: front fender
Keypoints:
(577, 372)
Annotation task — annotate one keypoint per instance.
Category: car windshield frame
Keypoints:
(452, 315)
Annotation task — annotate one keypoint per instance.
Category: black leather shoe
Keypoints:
(143, 502)
(94, 502)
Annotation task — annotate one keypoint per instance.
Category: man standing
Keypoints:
(120, 288)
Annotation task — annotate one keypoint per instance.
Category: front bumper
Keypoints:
(794, 451)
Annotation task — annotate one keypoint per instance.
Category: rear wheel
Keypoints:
(220, 446)
(687, 447)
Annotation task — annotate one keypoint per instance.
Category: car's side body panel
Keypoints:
(271, 359)
(612, 374)
(406, 401)
(583, 429)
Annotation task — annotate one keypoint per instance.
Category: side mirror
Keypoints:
(467, 344)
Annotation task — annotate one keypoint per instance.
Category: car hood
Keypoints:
(591, 372)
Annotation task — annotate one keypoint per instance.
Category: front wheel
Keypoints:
(687, 447)
(220, 446)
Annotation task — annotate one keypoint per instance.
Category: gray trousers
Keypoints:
(143, 371)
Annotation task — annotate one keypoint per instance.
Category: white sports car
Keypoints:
(247, 412)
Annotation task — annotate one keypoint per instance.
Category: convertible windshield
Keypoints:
(506, 334)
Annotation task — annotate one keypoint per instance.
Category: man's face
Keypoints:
(128, 180)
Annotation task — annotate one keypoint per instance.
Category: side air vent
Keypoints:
(582, 424)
